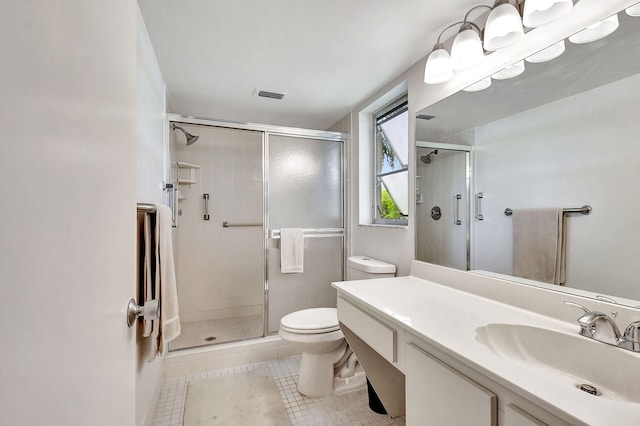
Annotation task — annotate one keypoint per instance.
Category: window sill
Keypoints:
(381, 225)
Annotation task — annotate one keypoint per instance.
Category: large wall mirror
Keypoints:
(565, 133)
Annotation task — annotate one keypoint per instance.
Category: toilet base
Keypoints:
(357, 381)
(317, 376)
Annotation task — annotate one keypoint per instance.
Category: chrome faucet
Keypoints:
(601, 327)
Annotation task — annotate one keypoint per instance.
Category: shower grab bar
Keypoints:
(226, 224)
(206, 206)
(456, 209)
(313, 233)
(479, 197)
(146, 208)
(586, 209)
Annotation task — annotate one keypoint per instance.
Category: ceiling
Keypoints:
(325, 56)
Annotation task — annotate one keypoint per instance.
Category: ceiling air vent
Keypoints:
(272, 95)
(425, 117)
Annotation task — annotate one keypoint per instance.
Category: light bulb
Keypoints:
(541, 12)
(633, 10)
(503, 27)
(510, 71)
(596, 31)
(548, 53)
(478, 86)
(466, 51)
(438, 67)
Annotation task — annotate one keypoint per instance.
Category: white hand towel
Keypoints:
(539, 244)
(148, 278)
(169, 323)
(291, 250)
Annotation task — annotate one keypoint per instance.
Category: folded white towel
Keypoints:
(291, 250)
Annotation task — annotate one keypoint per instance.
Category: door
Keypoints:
(305, 190)
(68, 227)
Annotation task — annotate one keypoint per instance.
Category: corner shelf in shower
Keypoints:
(192, 172)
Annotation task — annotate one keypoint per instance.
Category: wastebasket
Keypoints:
(374, 402)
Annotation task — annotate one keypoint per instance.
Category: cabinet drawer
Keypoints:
(378, 335)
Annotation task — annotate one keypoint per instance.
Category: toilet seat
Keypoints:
(311, 321)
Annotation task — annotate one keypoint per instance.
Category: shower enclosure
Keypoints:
(238, 185)
(442, 204)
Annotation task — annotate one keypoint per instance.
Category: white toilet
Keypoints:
(328, 365)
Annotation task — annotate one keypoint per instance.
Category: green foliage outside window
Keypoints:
(389, 208)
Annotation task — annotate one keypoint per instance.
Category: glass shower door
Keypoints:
(218, 243)
(305, 190)
(442, 206)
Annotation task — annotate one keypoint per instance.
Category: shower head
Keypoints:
(426, 159)
(191, 139)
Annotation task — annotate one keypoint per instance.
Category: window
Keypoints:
(391, 158)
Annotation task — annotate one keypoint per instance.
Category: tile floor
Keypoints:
(346, 409)
(194, 333)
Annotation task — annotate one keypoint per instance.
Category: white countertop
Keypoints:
(447, 318)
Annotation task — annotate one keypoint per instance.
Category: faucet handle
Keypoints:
(631, 337)
(576, 305)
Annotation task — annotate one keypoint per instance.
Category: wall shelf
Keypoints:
(191, 178)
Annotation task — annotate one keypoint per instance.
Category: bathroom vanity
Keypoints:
(445, 346)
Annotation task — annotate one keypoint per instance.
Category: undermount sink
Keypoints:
(568, 359)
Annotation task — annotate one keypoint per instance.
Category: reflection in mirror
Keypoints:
(442, 197)
(563, 134)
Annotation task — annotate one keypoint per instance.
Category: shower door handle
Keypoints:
(456, 209)
(206, 206)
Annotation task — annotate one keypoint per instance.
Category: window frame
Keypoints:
(386, 113)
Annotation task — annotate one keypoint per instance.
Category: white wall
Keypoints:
(150, 156)
(67, 234)
(390, 244)
(580, 150)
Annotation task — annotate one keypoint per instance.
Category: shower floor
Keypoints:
(199, 333)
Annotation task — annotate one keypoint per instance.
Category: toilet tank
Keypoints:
(364, 268)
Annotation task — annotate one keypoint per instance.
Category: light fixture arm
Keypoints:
(466, 17)
(449, 27)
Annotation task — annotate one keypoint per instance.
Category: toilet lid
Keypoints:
(311, 321)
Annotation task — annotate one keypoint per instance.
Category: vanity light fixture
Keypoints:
(467, 51)
(547, 54)
(541, 12)
(438, 68)
(596, 31)
(478, 86)
(503, 27)
(633, 10)
(509, 71)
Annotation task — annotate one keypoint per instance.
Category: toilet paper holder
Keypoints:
(149, 311)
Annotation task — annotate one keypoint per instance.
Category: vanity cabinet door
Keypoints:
(514, 416)
(438, 395)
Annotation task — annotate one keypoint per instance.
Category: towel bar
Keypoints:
(586, 209)
(313, 233)
(226, 224)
